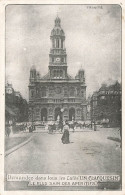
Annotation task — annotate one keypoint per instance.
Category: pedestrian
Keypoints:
(65, 137)
(95, 128)
(8, 130)
(84, 125)
(30, 129)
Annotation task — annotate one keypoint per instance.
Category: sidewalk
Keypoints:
(14, 141)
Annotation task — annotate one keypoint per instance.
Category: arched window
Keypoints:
(61, 73)
(54, 73)
(82, 93)
(71, 114)
(61, 43)
(44, 114)
(57, 43)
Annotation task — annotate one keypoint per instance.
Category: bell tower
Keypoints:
(57, 55)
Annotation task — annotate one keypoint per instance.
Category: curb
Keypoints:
(17, 147)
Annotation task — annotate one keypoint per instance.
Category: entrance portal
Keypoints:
(58, 113)
(44, 114)
(71, 114)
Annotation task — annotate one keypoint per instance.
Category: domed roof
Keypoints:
(57, 31)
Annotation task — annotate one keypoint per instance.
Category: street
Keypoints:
(89, 152)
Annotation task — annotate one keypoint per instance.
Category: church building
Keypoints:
(57, 94)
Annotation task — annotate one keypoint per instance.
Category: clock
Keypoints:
(57, 59)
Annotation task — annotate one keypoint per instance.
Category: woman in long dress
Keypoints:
(65, 137)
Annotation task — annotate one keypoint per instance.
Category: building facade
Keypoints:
(57, 94)
(106, 104)
(16, 106)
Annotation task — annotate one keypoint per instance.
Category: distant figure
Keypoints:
(31, 129)
(25, 127)
(84, 125)
(61, 125)
(65, 137)
(8, 130)
(91, 124)
(95, 128)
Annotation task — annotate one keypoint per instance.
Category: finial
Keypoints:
(57, 20)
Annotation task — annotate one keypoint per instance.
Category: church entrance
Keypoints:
(44, 114)
(71, 114)
(58, 114)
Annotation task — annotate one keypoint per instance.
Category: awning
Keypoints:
(10, 111)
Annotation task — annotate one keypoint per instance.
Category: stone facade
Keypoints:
(106, 104)
(57, 94)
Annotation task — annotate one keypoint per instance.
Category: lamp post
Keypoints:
(62, 109)
(82, 111)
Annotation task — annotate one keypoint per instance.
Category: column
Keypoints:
(55, 42)
(63, 44)
(59, 43)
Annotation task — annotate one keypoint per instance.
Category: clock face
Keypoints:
(57, 59)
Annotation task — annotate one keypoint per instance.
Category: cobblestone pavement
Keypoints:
(90, 152)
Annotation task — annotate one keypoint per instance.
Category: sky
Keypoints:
(93, 42)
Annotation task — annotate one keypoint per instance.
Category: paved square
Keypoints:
(90, 152)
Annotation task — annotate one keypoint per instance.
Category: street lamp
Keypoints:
(62, 109)
(82, 110)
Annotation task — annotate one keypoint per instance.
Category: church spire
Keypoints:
(57, 21)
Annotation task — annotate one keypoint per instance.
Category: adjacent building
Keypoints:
(16, 107)
(57, 94)
(106, 104)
